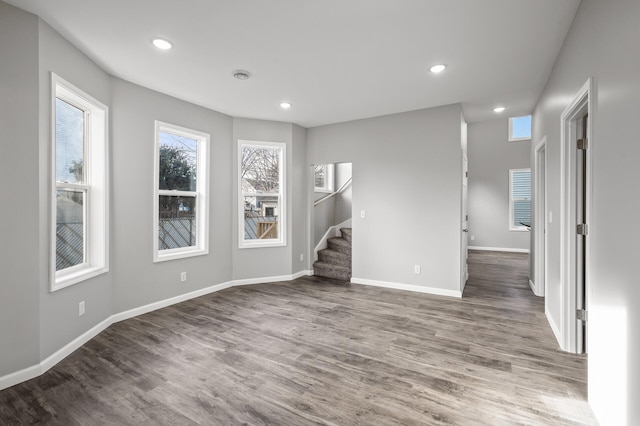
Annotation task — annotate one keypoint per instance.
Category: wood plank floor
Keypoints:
(314, 351)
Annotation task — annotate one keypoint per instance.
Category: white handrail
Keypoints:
(326, 197)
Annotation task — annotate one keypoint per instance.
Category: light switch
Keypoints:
(363, 214)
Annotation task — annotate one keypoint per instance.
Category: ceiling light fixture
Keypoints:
(162, 43)
(241, 74)
(499, 109)
(436, 69)
(285, 105)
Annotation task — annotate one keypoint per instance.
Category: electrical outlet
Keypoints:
(550, 217)
(183, 276)
(473, 238)
(81, 308)
(363, 214)
(416, 269)
(301, 257)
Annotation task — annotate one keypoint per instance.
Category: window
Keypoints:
(520, 128)
(519, 199)
(323, 178)
(79, 243)
(261, 185)
(180, 217)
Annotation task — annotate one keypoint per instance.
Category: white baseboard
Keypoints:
(41, 368)
(554, 327)
(408, 287)
(512, 250)
(20, 376)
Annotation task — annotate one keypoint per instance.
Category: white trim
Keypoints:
(333, 231)
(281, 241)
(554, 327)
(568, 323)
(201, 193)
(20, 376)
(408, 287)
(328, 181)
(95, 186)
(507, 249)
(539, 223)
(274, 279)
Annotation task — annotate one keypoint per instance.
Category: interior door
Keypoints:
(582, 231)
(464, 243)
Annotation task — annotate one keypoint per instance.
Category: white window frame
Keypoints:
(513, 227)
(282, 217)
(201, 193)
(513, 139)
(328, 181)
(95, 186)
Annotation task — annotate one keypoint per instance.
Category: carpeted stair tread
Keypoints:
(346, 234)
(339, 244)
(334, 257)
(329, 270)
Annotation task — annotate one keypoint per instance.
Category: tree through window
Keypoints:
(261, 171)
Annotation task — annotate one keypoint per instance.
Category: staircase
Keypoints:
(335, 261)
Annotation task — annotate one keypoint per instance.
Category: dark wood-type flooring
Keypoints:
(314, 351)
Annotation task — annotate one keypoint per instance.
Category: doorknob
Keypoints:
(465, 230)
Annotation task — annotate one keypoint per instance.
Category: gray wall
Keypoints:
(59, 320)
(344, 200)
(34, 322)
(407, 174)
(139, 281)
(490, 158)
(274, 261)
(300, 213)
(19, 225)
(602, 44)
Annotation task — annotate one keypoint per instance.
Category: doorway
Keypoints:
(576, 201)
(541, 218)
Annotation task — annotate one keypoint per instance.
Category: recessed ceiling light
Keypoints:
(285, 105)
(499, 109)
(162, 44)
(437, 68)
(241, 74)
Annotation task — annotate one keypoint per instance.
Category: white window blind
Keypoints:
(519, 199)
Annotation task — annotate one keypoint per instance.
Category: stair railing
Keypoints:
(333, 194)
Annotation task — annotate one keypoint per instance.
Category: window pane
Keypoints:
(69, 142)
(522, 213)
(260, 170)
(521, 127)
(178, 162)
(177, 222)
(320, 176)
(261, 217)
(69, 228)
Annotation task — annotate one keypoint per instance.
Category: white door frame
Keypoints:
(581, 104)
(540, 236)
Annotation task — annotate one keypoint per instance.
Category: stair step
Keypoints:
(334, 257)
(339, 244)
(324, 269)
(346, 233)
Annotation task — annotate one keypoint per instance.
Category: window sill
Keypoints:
(174, 254)
(520, 229)
(250, 245)
(67, 279)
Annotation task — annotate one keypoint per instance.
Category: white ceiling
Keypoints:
(335, 60)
